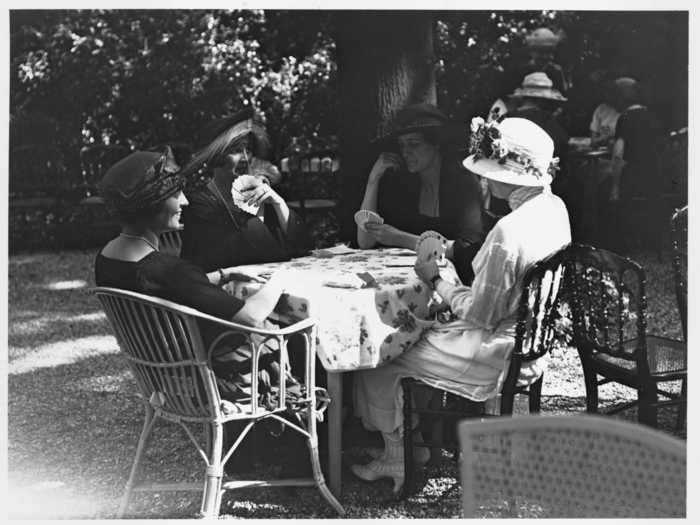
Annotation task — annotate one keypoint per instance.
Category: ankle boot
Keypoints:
(389, 465)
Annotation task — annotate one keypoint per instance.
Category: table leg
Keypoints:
(335, 432)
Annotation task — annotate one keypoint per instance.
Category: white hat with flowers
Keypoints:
(514, 151)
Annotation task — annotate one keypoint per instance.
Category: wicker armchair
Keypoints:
(538, 313)
(608, 301)
(573, 466)
(164, 348)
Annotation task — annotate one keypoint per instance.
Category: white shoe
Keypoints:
(379, 469)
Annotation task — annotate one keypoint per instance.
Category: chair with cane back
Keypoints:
(164, 348)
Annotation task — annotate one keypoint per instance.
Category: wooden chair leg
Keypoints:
(683, 406)
(535, 396)
(647, 412)
(591, 381)
(149, 420)
(407, 440)
(211, 499)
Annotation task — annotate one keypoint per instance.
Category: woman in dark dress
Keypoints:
(145, 191)
(217, 232)
(424, 187)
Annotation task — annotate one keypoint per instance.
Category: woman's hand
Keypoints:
(426, 270)
(260, 194)
(384, 233)
(384, 162)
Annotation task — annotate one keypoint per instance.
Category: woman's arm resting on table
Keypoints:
(260, 305)
(387, 235)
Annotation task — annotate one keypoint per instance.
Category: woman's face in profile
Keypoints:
(417, 153)
(170, 215)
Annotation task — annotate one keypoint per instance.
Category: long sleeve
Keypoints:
(488, 300)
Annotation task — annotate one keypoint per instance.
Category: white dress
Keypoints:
(470, 355)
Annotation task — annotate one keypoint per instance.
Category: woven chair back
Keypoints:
(608, 299)
(573, 466)
(679, 244)
(538, 311)
(163, 346)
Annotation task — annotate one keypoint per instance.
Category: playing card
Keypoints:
(362, 217)
(431, 246)
(242, 184)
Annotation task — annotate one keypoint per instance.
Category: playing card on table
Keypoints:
(362, 217)
(431, 246)
(244, 183)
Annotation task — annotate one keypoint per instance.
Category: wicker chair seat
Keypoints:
(665, 357)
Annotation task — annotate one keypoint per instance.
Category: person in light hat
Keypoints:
(469, 353)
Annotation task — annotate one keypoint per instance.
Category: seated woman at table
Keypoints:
(423, 187)
(218, 232)
(144, 190)
(469, 353)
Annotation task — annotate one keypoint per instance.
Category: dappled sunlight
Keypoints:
(36, 323)
(106, 383)
(63, 285)
(49, 499)
(65, 352)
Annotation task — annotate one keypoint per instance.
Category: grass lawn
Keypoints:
(74, 417)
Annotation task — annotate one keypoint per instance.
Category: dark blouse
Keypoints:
(216, 238)
(170, 278)
(460, 214)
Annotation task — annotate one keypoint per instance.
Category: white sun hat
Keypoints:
(538, 85)
(514, 151)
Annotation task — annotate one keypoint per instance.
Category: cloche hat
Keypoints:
(141, 181)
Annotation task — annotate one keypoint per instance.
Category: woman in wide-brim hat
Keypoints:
(469, 354)
(218, 231)
(421, 186)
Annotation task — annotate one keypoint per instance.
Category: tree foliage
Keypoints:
(150, 77)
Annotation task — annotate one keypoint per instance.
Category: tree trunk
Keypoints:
(385, 61)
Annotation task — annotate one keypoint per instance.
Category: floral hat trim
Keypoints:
(486, 142)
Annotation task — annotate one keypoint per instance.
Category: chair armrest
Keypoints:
(291, 329)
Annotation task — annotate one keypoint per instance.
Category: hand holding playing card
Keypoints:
(364, 217)
(242, 191)
(431, 246)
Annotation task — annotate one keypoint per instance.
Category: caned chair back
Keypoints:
(608, 300)
(163, 345)
(538, 313)
(572, 466)
(679, 240)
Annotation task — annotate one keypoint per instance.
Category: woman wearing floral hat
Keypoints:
(423, 187)
(470, 354)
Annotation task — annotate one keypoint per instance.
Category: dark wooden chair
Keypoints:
(608, 301)
(535, 332)
(312, 182)
(95, 160)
